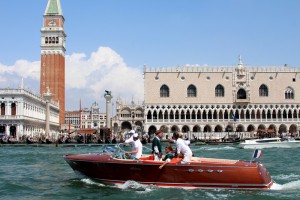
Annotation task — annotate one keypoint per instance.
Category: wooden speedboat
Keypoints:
(112, 167)
(270, 143)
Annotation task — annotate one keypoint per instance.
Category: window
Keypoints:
(289, 93)
(164, 91)
(219, 91)
(263, 91)
(2, 108)
(191, 91)
(241, 94)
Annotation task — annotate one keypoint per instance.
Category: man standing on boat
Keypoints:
(156, 145)
(182, 148)
(137, 147)
(130, 139)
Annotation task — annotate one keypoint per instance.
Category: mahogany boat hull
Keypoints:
(200, 173)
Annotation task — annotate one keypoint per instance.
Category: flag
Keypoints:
(233, 117)
(257, 153)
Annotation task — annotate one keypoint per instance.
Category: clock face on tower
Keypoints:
(52, 23)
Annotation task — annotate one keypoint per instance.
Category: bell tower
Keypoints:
(53, 49)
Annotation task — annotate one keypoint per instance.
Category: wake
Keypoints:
(294, 185)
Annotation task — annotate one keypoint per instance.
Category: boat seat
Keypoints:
(175, 160)
(148, 157)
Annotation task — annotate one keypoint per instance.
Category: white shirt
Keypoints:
(139, 146)
(183, 149)
(130, 141)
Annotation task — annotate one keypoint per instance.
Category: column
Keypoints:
(108, 98)
(7, 132)
(47, 97)
(8, 108)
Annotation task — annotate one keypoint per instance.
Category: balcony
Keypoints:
(247, 100)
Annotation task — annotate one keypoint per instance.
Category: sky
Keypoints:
(109, 41)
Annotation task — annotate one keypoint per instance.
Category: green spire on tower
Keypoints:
(53, 8)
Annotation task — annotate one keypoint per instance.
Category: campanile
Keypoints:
(53, 55)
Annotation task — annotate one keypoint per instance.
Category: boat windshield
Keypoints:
(116, 151)
(109, 148)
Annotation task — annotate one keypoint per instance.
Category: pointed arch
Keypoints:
(191, 91)
(171, 114)
(164, 91)
(149, 116)
(263, 91)
(289, 93)
(160, 115)
(219, 91)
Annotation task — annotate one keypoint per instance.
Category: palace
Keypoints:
(239, 98)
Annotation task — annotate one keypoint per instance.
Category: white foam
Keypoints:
(135, 186)
(219, 148)
(90, 182)
(287, 177)
(294, 185)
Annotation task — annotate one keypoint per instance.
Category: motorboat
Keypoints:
(270, 143)
(112, 167)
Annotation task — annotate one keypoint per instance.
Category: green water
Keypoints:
(28, 172)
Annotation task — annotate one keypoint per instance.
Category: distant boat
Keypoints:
(224, 141)
(270, 143)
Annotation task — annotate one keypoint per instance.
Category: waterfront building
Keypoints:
(53, 49)
(86, 118)
(201, 99)
(24, 114)
(72, 121)
(128, 116)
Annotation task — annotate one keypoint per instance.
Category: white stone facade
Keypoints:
(24, 114)
(128, 116)
(222, 99)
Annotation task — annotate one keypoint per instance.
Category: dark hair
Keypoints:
(169, 147)
(176, 135)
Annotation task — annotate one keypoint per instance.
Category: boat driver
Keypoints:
(130, 139)
(137, 147)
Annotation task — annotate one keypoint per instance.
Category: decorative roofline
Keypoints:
(218, 69)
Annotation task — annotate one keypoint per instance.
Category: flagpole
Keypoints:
(252, 158)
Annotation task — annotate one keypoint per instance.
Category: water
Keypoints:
(41, 173)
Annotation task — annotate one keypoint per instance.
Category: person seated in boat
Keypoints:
(156, 145)
(169, 153)
(137, 147)
(182, 149)
(168, 157)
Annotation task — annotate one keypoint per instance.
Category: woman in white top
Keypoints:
(182, 148)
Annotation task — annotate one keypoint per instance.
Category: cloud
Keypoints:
(86, 78)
